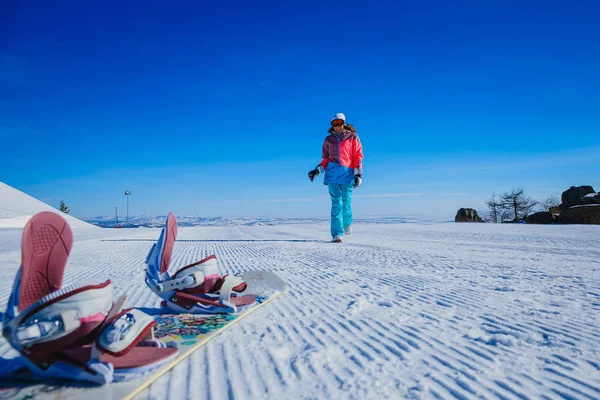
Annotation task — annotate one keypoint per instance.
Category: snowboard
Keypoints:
(188, 332)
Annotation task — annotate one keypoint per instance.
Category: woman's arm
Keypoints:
(325, 155)
(357, 156)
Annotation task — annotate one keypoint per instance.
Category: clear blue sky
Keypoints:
(220, 108)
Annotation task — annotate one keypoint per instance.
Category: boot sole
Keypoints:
(46, 243)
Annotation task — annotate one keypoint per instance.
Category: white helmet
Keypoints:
(339, 116)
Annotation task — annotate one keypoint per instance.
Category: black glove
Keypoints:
(313, 173)
(357, 181)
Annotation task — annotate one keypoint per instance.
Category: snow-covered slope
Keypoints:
(437, 311)
(16, 208)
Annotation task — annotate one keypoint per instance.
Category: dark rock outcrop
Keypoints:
(555, 210)
(467, 215)
(543, 217)
(591, 198)
(574, 195)
(586, 214)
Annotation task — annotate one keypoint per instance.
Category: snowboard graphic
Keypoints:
(188, 332)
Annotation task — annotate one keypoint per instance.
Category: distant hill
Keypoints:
(159, 221)
(16, 208)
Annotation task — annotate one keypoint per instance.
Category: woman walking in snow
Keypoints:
(342, 164)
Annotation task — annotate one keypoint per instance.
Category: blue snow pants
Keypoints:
(341, 207)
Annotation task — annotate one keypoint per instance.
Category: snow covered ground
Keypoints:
(396, 311)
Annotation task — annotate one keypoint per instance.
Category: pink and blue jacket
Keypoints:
(342, 157)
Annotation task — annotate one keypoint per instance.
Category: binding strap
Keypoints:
(125, 331)
(191, 279)
(48, 324)
(229, 283)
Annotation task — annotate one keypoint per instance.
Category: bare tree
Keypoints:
(552, 201)
(494, 209)
(505, 216)
(520, 205)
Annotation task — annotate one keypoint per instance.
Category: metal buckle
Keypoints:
(120, 327)
(37, 329)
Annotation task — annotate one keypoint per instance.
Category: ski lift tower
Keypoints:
(127, 194)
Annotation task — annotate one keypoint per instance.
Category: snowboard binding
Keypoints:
(197, 288)
(76, 332)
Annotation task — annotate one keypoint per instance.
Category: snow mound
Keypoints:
(16, 208)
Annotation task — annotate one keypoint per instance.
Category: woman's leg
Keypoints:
(347, 205)
(337, 226)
